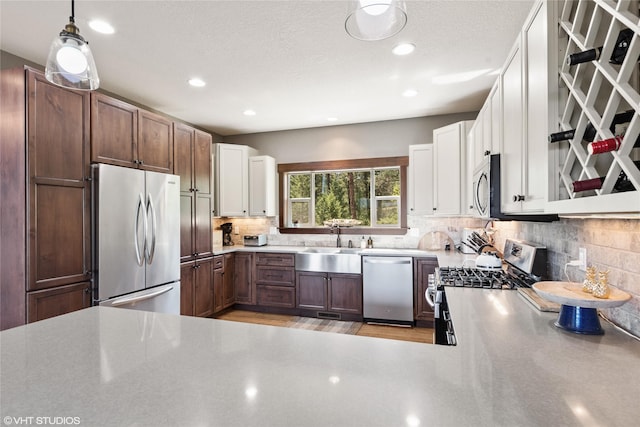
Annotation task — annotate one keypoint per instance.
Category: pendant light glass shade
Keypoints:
(70, 62)
(372, 20)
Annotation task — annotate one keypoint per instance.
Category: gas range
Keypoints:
(481, 278)
(526, 264)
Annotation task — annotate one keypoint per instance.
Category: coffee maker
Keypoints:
(227, 227)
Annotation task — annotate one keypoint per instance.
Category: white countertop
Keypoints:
(512, 367)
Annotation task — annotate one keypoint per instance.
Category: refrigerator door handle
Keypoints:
(133, 299)
(139, 253)
(152, 248)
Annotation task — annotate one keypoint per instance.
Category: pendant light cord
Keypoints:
(73, 11)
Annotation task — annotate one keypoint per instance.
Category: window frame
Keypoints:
(334, 165)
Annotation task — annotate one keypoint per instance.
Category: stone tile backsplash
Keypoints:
(612, 244)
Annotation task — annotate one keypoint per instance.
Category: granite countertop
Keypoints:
(512, 367)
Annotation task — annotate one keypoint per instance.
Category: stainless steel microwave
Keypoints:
(486, 194)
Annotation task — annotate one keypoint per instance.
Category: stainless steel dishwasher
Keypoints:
(387, 289)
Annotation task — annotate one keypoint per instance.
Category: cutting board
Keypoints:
(538, 302)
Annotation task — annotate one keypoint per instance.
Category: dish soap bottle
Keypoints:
(363, 243)
(369, 242)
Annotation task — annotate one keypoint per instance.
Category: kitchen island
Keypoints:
(511, 367)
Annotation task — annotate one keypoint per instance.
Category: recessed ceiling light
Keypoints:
(459, 77)
(101, 26)
(195, 82)
(249, 113)
(403, 49)
(410, 93)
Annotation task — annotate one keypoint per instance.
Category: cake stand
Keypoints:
(578, 312)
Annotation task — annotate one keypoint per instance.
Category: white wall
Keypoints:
(366, 140)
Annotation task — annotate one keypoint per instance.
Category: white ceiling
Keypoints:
(290, 61)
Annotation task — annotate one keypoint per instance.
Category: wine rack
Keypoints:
(591, 94)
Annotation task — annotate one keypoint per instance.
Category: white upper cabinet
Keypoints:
(449, 167)
(526, 118)
(232, 179)
(262, 186)
(420, 185)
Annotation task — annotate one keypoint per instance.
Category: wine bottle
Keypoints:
(622, 183)
(590, 131)
(609, 144)
(617, 57)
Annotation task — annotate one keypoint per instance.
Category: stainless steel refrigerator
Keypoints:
(136, 234)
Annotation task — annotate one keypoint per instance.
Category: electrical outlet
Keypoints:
(582, 257)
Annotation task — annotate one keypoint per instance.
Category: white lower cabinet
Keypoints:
(420, 185)
(450, 169)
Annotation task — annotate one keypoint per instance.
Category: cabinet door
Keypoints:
(423, 268)
(420, 184)
(345, 293)
(512, 143)
(203, 289)
(232, 183)
(311, 290)
(228, 288)
(218, 293)
(187, 282)
(244, 286)
(448, 155)
(262, 186)
(496, 119)
(56, 301)
(114, 131)
(203, 227)
(59, 194)
(202, 163)
(155, 142)
(537, 118)
(478, 134)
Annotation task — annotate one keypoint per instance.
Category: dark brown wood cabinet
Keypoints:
(331, 292)
(197, 288)
(244, 285)
(423, 312)
(45, 198)
(228, 281)
(125, 135)
(218, 283)
(275, 280)
(52, 302)
(155, 142)
(193, 163)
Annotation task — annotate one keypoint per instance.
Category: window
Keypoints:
(357, 193)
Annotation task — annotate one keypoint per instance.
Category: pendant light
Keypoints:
(372, 20)
(70, 62)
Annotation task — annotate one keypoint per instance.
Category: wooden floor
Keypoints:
(422, 335)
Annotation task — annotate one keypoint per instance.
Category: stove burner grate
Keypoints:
(481, 278)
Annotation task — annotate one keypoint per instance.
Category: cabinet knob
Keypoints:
(518, 198)
(487, 152)
(435, 209)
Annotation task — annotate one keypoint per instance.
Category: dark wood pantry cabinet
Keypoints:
(45, 139)
(193, 163)
(125, 135)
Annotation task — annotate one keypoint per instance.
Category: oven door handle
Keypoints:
(430, 287)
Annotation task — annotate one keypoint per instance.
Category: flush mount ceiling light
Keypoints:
(403, 49)
(70, 62)
(372, 20)
(196, 82)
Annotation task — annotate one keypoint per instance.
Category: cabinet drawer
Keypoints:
(276, 296)
(284, 260)
(218, 262)
(275, 276)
